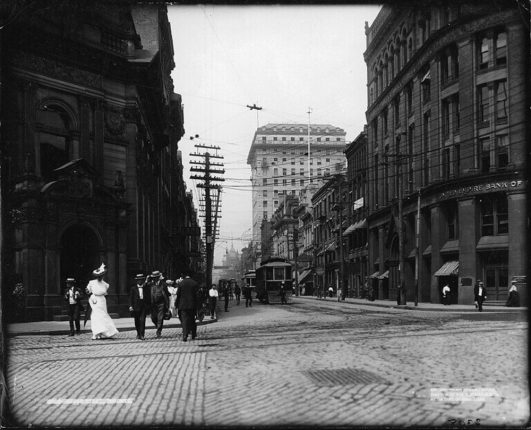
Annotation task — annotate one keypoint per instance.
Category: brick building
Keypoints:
(447, 119)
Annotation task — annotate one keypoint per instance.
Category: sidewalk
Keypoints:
(420, 307)
(62, 327)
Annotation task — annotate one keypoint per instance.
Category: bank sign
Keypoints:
(483, 188)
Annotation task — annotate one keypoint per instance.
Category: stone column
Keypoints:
(468, 226)
(517, 237)
(381, 246)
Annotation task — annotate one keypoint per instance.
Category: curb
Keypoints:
(447, 308)
(65, 332)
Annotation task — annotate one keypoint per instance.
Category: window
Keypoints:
(483, 53)
(494, 215)
(457, 159)
(284, 160)
(338, 139)
(275, 138)
(275, 182)
(396, 105)
(292, 139)
(264, 193)
(451, 218)
(483, 105)
(284, 182)
(302, 183)
(456, 118)
(275, 193)
(294, 182)
(500, 43)
(275, 172)
(500, 89)
(263, 138)
(384, 122)
(328, 160)
(446, 163)
(319, 172)
(449, 64)
(484, 155)
(318, 139)
(264, 203)
(283, 138)
(284, 172)
(446, 118)
(409, 98)
(293, 162)
(301, 172)
(264, 181)
(301, 139)
(502, 151)
(275, 202)
(264, 215)
(327, 139)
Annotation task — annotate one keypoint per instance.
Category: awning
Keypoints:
(489, 243)
(361, 224)
(427, 251)
(450, 246)
(384, 275)
(426, 76)
(331, 247)
(413, 253)
(450, 268)
(374, 275)
(304, 275)
(349, 230)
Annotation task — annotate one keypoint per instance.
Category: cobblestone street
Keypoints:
(309, 363)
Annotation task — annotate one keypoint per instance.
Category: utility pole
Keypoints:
(207, 168)
(256, 108)
(417, 250)
(309, 149)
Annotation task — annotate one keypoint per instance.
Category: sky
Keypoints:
(284, 59)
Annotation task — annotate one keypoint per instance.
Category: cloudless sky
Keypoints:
(282, 58)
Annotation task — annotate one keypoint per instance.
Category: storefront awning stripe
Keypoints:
(374, 275)
(349, 230)
(384, 275)
(450, 268)
(304, 275)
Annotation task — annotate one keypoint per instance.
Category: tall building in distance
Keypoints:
(279, 163)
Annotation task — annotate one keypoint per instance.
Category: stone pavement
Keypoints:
(309, 363)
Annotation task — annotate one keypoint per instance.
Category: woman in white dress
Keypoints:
(172, 290)
(100, 321)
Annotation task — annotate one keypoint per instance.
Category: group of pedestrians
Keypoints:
(151, 295)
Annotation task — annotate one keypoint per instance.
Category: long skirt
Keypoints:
(101, 323)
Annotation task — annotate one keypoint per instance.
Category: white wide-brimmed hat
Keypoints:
(100, 270)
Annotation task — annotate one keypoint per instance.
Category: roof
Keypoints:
(296, 128)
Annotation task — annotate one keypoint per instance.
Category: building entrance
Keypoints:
(496, 275)
(80, 254)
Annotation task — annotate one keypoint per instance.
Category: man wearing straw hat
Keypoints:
(73, 297)
(139, 300)
(160, 301)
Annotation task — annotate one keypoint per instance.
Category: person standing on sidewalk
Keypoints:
(139, 304)
(172, 291)
(160, 301)
(237, 293)
(226, 296)
(446, 295)
(480, 295)
(187, 306)
(282, 293)
(73, 297)
(213, 300)
(247, 294)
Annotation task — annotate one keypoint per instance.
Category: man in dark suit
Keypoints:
(480, 295)
(186, 304)
(139, 300)
(160, 300)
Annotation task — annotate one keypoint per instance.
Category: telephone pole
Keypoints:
(208, 168)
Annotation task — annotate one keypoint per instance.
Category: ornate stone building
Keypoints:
(91, 170)
(447, 130)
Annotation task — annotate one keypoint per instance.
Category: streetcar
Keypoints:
(269, 276)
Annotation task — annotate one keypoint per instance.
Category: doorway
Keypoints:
(80, 255)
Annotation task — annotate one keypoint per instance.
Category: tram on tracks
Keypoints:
(269, 276)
